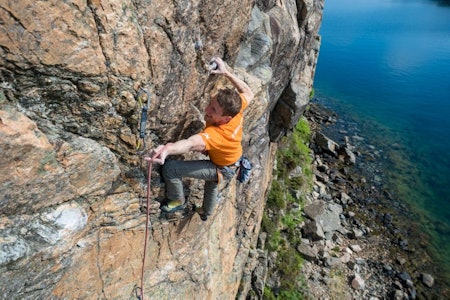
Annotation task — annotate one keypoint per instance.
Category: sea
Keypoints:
(385, 65)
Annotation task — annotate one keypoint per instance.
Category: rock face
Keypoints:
(73, 183)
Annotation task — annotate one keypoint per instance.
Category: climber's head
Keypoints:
(224, 105)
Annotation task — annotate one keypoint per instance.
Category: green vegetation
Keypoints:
(312, 94)
(292, 178)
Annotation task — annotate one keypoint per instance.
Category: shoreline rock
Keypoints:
(349, 247)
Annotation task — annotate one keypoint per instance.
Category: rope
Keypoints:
(147, 220)
(146, 228)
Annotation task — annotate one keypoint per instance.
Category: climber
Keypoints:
(220, 140)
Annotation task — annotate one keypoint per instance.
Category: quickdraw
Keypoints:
(140, 144)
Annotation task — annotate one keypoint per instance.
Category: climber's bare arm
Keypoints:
(193, 143)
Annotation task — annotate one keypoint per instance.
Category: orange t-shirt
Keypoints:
(223, 142)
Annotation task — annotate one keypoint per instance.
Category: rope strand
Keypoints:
(146, 226)
(147, 220)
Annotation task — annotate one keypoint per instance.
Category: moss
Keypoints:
(294, 151)
(273, 232)
(268, 294)
(291, 220)
(312, 94)
(275, 241)
(290, 263)
(276, 199)
(281, 227)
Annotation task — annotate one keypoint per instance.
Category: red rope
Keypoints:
(149, 175)
(146, 227)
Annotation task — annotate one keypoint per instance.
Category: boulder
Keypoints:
(326, 144)
(427, 280)
(312, 230)
(308, 252)
(358, 282)
(326, 215)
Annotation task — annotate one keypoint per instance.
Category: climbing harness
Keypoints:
(147, 220)
(140, 145)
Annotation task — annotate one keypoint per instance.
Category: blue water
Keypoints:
(386, 63)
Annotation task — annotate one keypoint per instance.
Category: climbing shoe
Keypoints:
(173, 205)
(200, 212)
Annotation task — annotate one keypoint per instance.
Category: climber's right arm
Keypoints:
(193, 143)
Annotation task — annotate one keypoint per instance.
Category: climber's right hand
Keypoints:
(159, 154)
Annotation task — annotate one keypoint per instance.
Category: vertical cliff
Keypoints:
(72, 183)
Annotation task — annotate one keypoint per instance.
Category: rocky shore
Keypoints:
(354, 240)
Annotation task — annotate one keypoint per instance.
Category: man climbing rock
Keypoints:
(221, 140)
